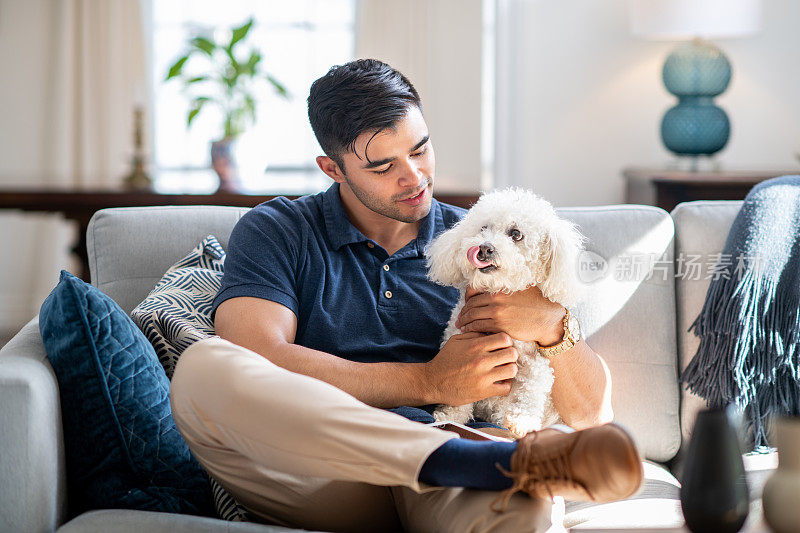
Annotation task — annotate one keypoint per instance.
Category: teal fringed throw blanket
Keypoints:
(749, 326)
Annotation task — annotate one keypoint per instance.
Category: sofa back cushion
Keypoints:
(130, 248)
(701, 229)
(628, 315)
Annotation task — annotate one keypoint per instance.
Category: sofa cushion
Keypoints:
(129, 248)
(657, 504)
(125, 521)
(176, 314)
(122, 447)
(628, 316)
(701, 229)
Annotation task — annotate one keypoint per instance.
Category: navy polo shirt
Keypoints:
(351, 298)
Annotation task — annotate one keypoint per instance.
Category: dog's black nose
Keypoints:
(485, 252)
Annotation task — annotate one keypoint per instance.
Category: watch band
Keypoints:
(569, 339)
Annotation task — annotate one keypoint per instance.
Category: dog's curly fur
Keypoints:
(546, 257)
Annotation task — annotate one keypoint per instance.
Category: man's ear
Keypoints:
(331, 168)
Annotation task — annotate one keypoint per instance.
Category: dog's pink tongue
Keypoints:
(472, 256)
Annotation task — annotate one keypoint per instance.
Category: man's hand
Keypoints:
(582, 388)
(471, 367)
(525, 315)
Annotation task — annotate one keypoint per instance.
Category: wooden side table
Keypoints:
(667, 188)
(80, 204)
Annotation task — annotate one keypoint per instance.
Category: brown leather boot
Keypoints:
(599, 464)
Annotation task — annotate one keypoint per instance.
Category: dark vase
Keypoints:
(224, 164)
(714, 494)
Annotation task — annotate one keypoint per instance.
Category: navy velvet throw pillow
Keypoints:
(122, 448)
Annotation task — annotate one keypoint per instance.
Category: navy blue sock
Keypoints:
(469, 463)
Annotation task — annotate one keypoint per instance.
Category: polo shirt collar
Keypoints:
(342, 232)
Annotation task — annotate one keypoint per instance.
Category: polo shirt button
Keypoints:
(370, 245)
(388, 294)
(386, 268)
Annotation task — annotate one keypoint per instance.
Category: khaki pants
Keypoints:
(299, 452)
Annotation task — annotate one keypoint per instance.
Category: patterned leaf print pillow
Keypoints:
(176, 314)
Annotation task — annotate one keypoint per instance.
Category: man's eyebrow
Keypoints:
(381, 162)
(419, 144)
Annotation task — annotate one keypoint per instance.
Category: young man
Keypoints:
(325, 314)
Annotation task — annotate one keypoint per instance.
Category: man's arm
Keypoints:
(468, 368)
(582, 389)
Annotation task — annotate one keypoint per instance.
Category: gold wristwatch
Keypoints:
(572, 334)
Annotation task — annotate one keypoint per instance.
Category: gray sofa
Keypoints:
(638, 323)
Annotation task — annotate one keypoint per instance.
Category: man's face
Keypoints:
(391, 173)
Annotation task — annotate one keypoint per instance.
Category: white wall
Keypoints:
(27, 273)
(437, 45)
(579, 98)
(69, 75)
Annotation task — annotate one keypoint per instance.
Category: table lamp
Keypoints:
(696, 71)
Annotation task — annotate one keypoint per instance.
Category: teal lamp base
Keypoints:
(696, 72)
(695, 126)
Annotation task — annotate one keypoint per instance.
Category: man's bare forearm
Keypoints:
(582, 388)
(268, 328)
(384, 385)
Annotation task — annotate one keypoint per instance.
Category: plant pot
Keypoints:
(224, 164)
(781, 496)
(714, 494)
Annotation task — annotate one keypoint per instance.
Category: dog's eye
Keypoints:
(484, 228)
(515, 234)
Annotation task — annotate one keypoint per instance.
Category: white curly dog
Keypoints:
(508, 241)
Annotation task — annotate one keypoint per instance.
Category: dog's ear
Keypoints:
(558, 278)
(443, 254)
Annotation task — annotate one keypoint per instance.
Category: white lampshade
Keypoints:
(685, 19)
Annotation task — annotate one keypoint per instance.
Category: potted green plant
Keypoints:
(228, 82)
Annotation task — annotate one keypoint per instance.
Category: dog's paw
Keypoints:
(521, 426)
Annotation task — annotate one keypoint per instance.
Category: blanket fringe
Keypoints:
(749, 348)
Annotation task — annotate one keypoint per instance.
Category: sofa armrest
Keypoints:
(32, 465)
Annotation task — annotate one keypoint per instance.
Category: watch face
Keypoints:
(574, 327)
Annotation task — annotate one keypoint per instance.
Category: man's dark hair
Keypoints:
(363, 95)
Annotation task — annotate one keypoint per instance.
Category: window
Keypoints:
(299, 40)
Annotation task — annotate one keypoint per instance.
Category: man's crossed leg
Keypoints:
(299, 452)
